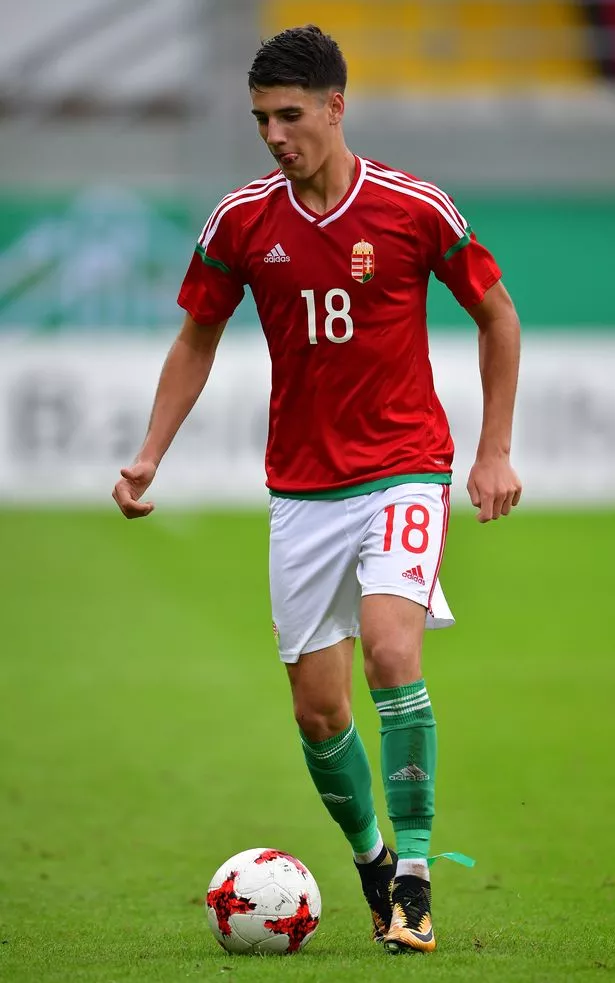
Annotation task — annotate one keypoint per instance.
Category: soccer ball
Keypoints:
(263, 901)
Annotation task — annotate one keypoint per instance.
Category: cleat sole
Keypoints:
(393, 948)
(397, 948)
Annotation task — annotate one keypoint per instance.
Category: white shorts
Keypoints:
(325, 555)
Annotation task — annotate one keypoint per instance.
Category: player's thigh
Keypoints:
(403, 543)
(312, 572)
(399, 563)
(321, 684)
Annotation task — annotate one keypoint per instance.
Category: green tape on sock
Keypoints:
(457, 858)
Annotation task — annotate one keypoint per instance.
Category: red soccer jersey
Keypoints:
(342, 301)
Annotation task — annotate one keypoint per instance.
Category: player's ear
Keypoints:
(336, 108)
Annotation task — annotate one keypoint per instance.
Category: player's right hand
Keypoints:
(132, 485)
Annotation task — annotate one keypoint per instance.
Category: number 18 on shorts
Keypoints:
(326, 555)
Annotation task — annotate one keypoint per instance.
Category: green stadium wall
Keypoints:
(113, 260)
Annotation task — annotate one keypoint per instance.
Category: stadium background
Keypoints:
(145, 732)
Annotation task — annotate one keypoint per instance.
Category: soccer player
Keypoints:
(338, 251)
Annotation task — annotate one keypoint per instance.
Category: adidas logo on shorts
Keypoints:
(277, 255)
(415, 574)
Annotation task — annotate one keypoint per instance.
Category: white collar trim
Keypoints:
(326, 220)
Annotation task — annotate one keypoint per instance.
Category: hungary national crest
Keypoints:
(363, 261)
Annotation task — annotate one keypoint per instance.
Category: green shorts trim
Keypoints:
(352, 491)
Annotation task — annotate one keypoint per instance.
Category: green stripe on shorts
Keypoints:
(352, 491)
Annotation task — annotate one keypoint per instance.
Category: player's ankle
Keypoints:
(412, 867)
(375, 854)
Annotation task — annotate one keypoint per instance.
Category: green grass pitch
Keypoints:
(146, 734)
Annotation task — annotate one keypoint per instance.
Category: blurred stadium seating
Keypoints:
(78, 58)
(520, 86)
(452, 46)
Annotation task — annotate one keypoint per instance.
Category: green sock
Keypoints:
(408, 757)
(340, 771)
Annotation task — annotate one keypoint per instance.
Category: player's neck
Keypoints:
(326, 188)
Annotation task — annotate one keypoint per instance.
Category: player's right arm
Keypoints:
(212, 289)
(182, 379)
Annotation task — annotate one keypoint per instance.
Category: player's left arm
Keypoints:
(452, 252)
(493, 485)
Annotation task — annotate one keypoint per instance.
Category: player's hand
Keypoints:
(132, 485)
(493, 487)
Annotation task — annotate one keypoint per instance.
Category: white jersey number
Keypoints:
(334, 313)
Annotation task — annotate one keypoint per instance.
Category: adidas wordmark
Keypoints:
(277, 255)
(416, 574)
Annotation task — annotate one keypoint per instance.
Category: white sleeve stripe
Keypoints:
(425, 185)
(411, 193)
(249, 189)
(252, 186)
(447, 200)
(213, 228)
(427, 189)
(421, 186)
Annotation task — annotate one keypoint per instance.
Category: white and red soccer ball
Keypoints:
(263, 901)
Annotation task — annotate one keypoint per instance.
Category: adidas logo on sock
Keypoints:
(335, 799)
(277, 255)
(416, 574)
(411, 773)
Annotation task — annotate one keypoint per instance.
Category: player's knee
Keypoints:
(320, 722)
(392, 663)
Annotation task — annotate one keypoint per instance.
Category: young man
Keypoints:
(338, 251)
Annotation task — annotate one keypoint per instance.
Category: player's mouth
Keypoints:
(287, 160)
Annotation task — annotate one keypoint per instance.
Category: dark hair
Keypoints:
(301, 56)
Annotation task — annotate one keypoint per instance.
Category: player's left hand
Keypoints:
(493, 487)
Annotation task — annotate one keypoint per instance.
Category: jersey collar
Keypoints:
(323, 220)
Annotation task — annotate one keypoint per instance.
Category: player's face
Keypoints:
(298, 126)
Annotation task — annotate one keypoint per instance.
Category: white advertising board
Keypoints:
(74, 409)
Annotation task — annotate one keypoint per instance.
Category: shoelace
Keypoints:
(415, 907)
(414, 912)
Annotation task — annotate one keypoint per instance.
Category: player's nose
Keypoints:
(275, 135)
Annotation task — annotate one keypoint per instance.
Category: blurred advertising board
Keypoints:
(90, 260)
(103, 259)
(73, 409)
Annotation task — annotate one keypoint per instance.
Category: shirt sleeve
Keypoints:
(213, 285)
(452, 252)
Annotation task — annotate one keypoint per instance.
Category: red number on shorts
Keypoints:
(388, 532)
(411, 525)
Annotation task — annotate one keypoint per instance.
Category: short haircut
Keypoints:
(302, 56)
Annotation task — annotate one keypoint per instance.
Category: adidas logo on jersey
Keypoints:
(415, 574)
(277, 255)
